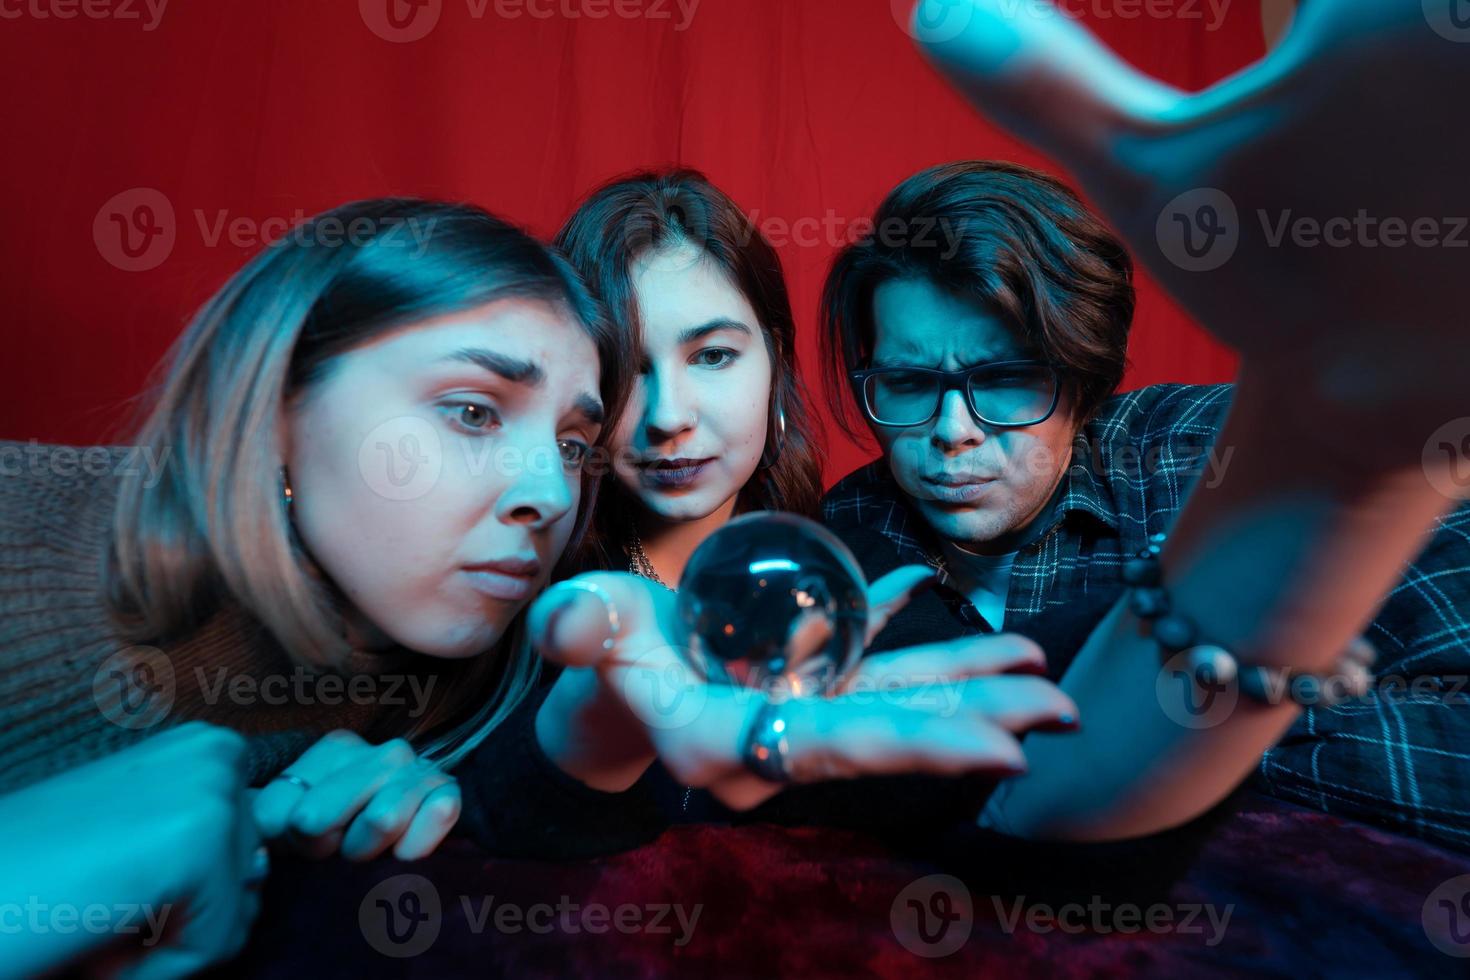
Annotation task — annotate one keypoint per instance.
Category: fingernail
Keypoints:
(548, 628)
(1063, 723)
(586, 596)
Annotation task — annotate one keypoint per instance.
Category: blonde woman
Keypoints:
(363, 461)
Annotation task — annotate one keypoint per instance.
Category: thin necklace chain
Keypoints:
(639, 563)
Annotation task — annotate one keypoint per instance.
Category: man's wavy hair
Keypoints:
(1017, 241)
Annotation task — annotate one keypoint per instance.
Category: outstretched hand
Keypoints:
(1308, 210)
(943, 708)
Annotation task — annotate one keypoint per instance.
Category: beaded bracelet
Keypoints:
(1176, 636)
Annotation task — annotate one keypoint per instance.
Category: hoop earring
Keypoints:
(776, 441)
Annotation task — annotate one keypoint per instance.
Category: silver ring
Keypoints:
(294, 780)
(765, 750)
(614, 621)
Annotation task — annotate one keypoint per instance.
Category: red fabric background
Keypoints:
(258, 109)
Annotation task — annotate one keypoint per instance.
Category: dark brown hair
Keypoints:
(636, 213)
(1018, 241)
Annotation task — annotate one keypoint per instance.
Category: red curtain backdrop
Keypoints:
(229, 117)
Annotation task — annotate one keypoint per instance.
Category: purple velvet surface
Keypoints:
(1308, 895)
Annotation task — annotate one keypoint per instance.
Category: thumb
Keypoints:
(582, 621)
(1036, 71)
(891, 593)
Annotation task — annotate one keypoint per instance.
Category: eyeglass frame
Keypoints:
(955, 381)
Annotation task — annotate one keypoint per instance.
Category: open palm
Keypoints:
(1309, 210)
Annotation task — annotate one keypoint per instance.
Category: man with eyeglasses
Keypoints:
(987, 374)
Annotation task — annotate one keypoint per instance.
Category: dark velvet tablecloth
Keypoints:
(1273, 891)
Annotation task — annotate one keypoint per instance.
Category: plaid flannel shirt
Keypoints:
(1398, 757)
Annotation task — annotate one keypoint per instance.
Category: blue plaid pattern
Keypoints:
(1399, 757)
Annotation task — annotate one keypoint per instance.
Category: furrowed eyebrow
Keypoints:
(512, 369)
(518, 371)
(690, 334)
(1000, 358)
(592, 408)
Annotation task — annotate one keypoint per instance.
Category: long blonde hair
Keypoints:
(215, 529)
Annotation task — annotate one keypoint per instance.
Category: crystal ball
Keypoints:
(773, 601)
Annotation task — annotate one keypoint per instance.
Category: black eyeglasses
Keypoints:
(1003, 393)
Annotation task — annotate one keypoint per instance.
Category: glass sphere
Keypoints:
(773, 601)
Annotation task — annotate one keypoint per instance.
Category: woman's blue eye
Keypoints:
(474, 417)
(573, 453)
(715, 357)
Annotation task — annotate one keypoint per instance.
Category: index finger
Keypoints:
(621, 626)
(581, 621)
(976, 656)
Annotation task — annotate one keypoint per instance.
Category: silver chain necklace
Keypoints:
(640, 565)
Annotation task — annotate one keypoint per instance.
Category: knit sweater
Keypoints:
(73, 689)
